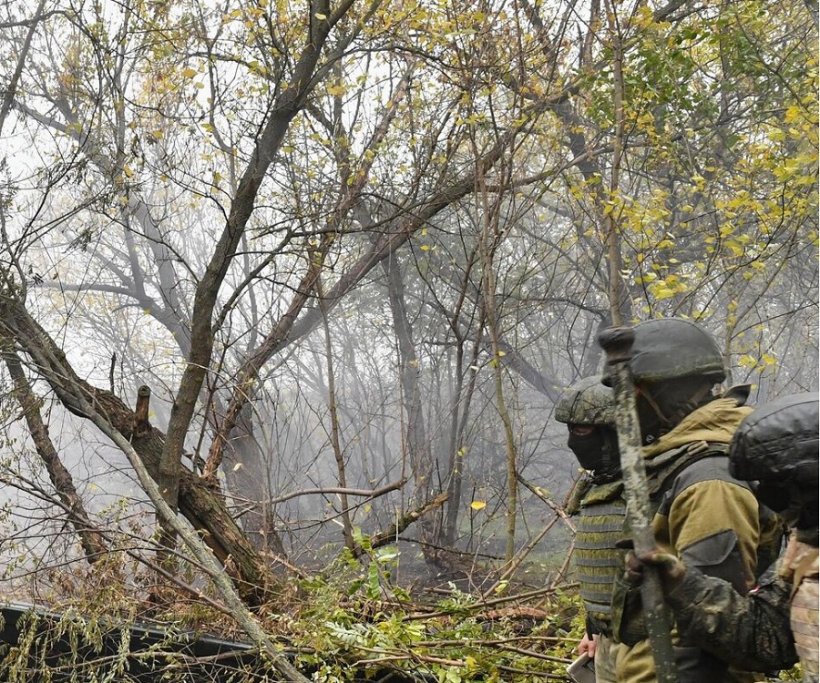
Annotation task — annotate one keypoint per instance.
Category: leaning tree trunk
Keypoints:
(92, 541)
(199, 502)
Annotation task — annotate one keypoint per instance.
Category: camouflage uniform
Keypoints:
(778, 620)
(778, 447)
(704, 516)
(599, 563)
(800, 568)
(751, 631)
(601, 516)
(702, 513)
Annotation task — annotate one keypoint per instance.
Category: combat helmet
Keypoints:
(587, 402)
(778, 442)
(776, 446)
(588, 410)
(673, 348)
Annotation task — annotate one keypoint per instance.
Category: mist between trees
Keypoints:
(353, 251)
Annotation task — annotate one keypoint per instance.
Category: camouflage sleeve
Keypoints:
(750, 631)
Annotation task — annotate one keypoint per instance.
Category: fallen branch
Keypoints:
(391, 534)
(240, 612)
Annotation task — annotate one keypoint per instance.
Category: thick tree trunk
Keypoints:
(203, 506)
(247, 477)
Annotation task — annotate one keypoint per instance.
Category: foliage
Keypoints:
(358, 625)
(190, 191)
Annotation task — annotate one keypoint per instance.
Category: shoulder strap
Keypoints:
(666, 466)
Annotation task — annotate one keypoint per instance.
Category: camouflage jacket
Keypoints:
(750, 631)
(705, 517)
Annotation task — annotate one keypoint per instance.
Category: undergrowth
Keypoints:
(350, 622)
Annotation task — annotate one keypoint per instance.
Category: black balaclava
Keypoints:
(662, 405)
(596, 450)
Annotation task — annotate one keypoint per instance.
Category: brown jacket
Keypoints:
(704, 516)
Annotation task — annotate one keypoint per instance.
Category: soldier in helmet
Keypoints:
(777, 445)
(702, 514)
(588, 411)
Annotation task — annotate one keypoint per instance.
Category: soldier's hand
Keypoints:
(587, 646)
(669, 567)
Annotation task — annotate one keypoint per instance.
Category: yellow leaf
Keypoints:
(734, 247)
(188, 72)
(320, 17)
(793, 114)
(425, 247)
(478, 505)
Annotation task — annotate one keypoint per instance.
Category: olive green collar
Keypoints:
(715, 422)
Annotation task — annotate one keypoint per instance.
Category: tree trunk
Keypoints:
(335, 441)
(203, 506)
(247, 477)
(458, 449)
(91, 539)
(418, 445)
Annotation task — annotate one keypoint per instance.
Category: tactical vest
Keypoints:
(627, 612)
(598, 563)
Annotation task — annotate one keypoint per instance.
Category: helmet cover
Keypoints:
(778, 442)
(587, 402)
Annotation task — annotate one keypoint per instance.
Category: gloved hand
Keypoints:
(670, 568)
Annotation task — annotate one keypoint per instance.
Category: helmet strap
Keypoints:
(663, 420)
(672, 404)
